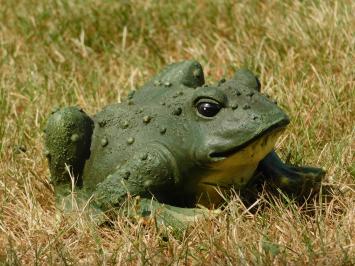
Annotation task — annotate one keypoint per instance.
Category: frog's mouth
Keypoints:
(237, 165)
(275, 129)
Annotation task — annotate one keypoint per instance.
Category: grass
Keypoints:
(91, 53)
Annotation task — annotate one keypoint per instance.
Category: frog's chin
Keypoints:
(234, 168)
(238, 167)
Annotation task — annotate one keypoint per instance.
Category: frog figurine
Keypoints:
(174, 144)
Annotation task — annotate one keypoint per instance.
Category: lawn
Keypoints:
(92, 53)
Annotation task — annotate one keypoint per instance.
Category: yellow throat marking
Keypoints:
(236, 170)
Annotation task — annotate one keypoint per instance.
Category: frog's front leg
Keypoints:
(146, 176)
(298, 181)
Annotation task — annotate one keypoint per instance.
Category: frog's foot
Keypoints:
(150, 210)
(166, 213)
(78, 203)
(67, 139)
(297, 181)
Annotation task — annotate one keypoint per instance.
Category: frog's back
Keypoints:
(122, 129)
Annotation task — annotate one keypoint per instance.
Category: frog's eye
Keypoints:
(208, 108)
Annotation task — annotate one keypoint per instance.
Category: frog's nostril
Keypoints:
(246, 106)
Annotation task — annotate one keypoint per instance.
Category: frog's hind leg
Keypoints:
(294, 180)
(67, 140)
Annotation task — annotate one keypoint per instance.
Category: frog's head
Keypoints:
(235, 122)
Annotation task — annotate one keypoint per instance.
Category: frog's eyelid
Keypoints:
(207, 99)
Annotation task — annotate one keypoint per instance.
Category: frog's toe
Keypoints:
(67, 139)
(301, 180)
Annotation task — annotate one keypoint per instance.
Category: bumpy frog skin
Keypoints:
(175, 143)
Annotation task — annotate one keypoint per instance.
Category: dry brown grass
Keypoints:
(90, 53)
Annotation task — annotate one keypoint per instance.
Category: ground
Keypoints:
(91, 53)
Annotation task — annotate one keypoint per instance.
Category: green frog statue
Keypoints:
(174, 144)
